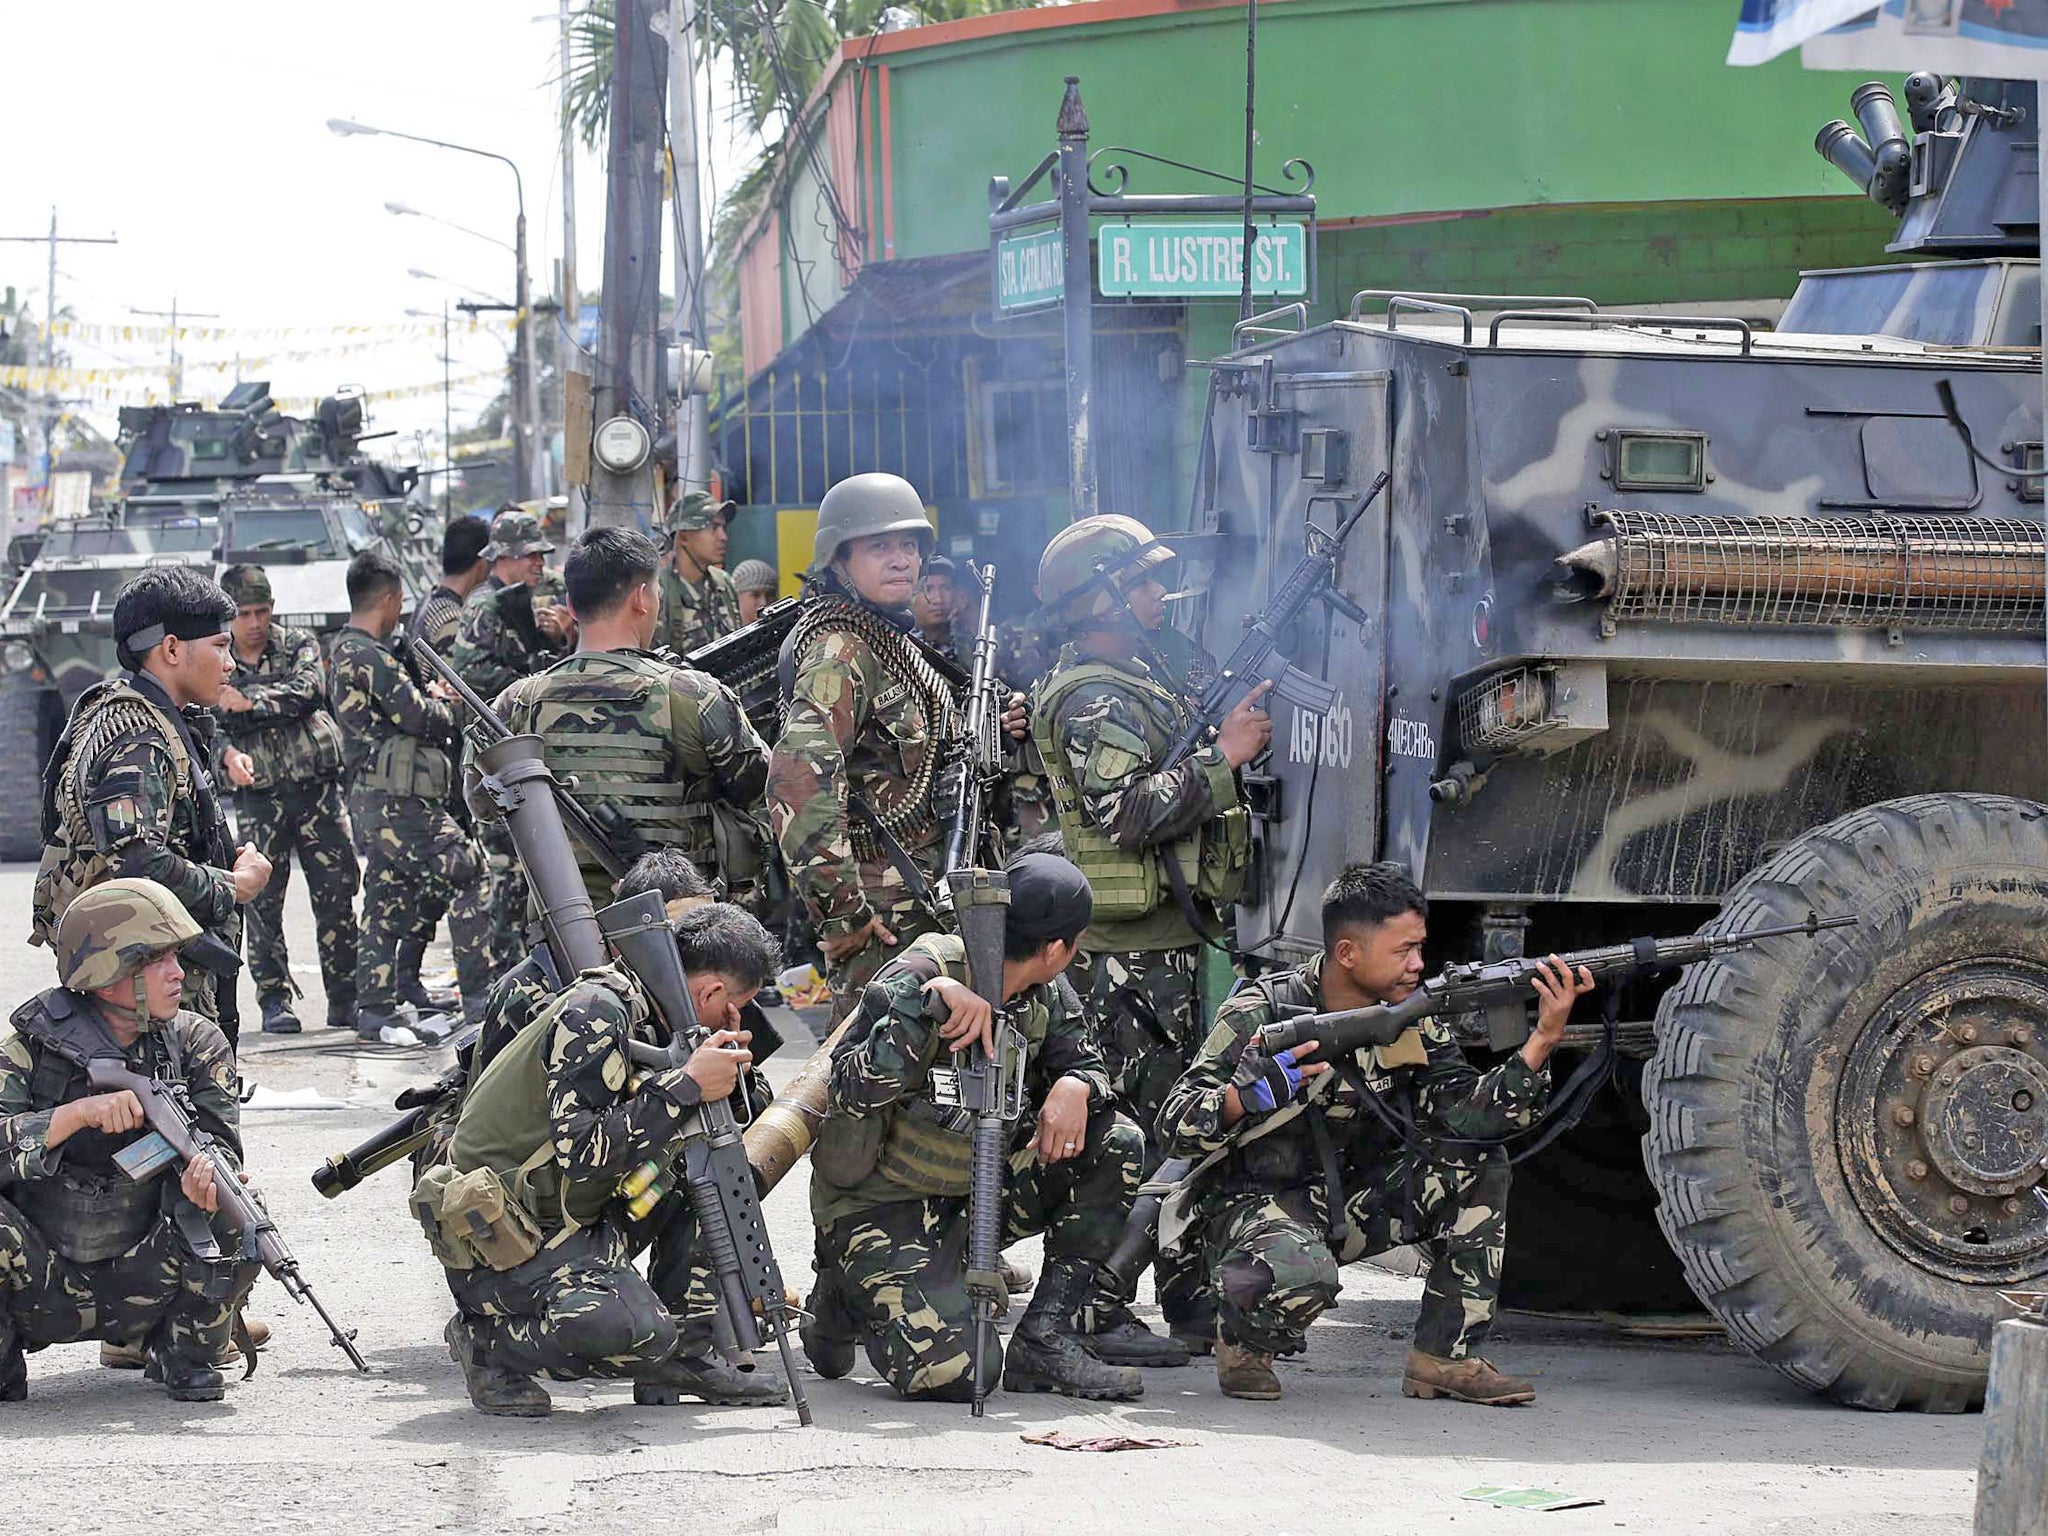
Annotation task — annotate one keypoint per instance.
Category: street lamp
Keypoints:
(405, 210)
(531, 476)
(434, 277)
(447, 416)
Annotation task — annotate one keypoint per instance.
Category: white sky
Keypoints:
(197, 133)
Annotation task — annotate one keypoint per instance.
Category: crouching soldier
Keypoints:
(891, 1169)
(1301, 1175)
(525, 1213)
(86, 1252)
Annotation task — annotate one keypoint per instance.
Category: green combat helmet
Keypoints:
(697, 509)
(861, 505)
(516, 531)
(114, 929)
(755, 576)
(1089, 566)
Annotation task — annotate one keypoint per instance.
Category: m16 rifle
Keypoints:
(1257, 659)
(753, 1303)
(1459, 988)
(980, 763)
(177, 1137)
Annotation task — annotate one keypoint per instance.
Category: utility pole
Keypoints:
(1079, 306)
(693, 414)
(625, 393)
(47, 415)
(569, 323)
(176, 370)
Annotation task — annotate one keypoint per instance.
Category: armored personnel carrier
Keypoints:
(1670, 622)
(213, 488)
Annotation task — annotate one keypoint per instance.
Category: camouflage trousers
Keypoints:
(418, 856)
(576, 1310)
(309, 819)
(156, 1292)
(1145, 1014)
(1270, 1255)
(901, 1268)
(849, 978)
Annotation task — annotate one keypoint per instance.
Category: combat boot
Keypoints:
(395, 1028)
(185, 1380)
(1048, 1354)
(493, 1389)
(829, 1330)
(343, 1015)
(1116, 1335)
(709, 1379)
(1471, 1380)
(1242, 1372)
(278, 1018)
(407, 983)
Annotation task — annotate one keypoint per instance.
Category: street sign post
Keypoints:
(1199, 260)
(1028, 271)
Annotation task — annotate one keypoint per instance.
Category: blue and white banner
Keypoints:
(2000, 39)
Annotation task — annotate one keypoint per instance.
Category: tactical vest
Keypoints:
(613, 727)
(923, 1147)
(305, 749)
(104, 714)
(88, 1210)
(504, 1126)
(392, 762)
(1130, 883)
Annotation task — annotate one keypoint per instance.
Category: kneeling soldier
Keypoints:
(87, 1252)
(525, 1212)
(891, 1169)
(1297, 1183)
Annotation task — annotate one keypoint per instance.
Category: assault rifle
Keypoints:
(176, 1137)
(981, 760)
(611, 839)
(424, 1106)
(753, 1303)
(1459, 988)
(1257, 660)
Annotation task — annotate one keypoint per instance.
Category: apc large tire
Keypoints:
(1793, 1188)
(21, 768)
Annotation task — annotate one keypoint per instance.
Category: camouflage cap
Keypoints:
(516, 531)
(755, 576)
(697, 509)
(248, 585)
(113, 929)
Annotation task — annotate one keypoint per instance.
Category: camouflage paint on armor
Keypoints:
(855, 726)
(156, 1290)
(695, 613)
(1265, 1208)
(131, 798)
(662, 744)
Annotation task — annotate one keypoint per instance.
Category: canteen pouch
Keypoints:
(848, 1147)
(470, 1219)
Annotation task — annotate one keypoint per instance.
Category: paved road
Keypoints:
(1686, 1437)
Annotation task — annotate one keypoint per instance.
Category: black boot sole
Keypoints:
(1046, 1384)
(670, 1397)
(1139, 1362)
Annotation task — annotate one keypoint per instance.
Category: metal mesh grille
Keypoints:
(1505, 710)
(1882, 572)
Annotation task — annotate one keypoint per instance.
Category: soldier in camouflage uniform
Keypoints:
(935, 608)
(892, 1168)
(86, 1252)
(512, 626)
(755, 584)
(851, 784)
(1273, 1221)
(556, 1124)
(463, 569)
(401, 743)
(699, 602)
(1164, 848)
(666, 751)
(274, 709)
(129, 789)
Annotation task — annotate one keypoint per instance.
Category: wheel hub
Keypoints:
(1942, 1119)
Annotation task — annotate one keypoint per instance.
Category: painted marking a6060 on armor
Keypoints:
(1321, 738)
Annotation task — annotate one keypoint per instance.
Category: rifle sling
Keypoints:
(892, 850)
